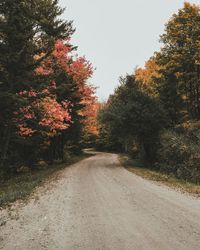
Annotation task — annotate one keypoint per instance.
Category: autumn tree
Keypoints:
(28, 31)
(147, 76)
(70, 73)
(180, 63)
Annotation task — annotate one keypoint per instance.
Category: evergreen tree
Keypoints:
(132, 117)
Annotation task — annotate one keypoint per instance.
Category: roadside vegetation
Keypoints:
(154, 113)
(135, 166)
(22, 185)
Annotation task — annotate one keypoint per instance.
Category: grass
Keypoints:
(138, 168)
(21, 186)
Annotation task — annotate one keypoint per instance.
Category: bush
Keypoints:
(180, 152)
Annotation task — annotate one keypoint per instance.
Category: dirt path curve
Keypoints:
(98, 205)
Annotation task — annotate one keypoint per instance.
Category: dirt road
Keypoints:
(98, 205)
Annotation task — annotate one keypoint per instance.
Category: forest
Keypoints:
(48, 108)
(154, 113)
(49, 111)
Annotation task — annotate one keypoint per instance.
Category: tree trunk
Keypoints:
(5, 145)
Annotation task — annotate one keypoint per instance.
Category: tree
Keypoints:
(28, 31)
(132, 117)
(70, 74)
(147, 76)
(180, 61)
(42, 114)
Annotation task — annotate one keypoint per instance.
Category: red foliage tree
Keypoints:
(43, 114)
(80, 70)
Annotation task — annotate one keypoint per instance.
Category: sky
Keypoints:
(117, 36)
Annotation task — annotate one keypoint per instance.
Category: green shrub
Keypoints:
(179, 153)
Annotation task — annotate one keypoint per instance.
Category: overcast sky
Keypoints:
(118, 35)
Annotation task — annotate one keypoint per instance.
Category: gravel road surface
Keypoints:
(98, 205)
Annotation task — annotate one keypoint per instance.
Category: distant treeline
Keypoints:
(154, 114)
